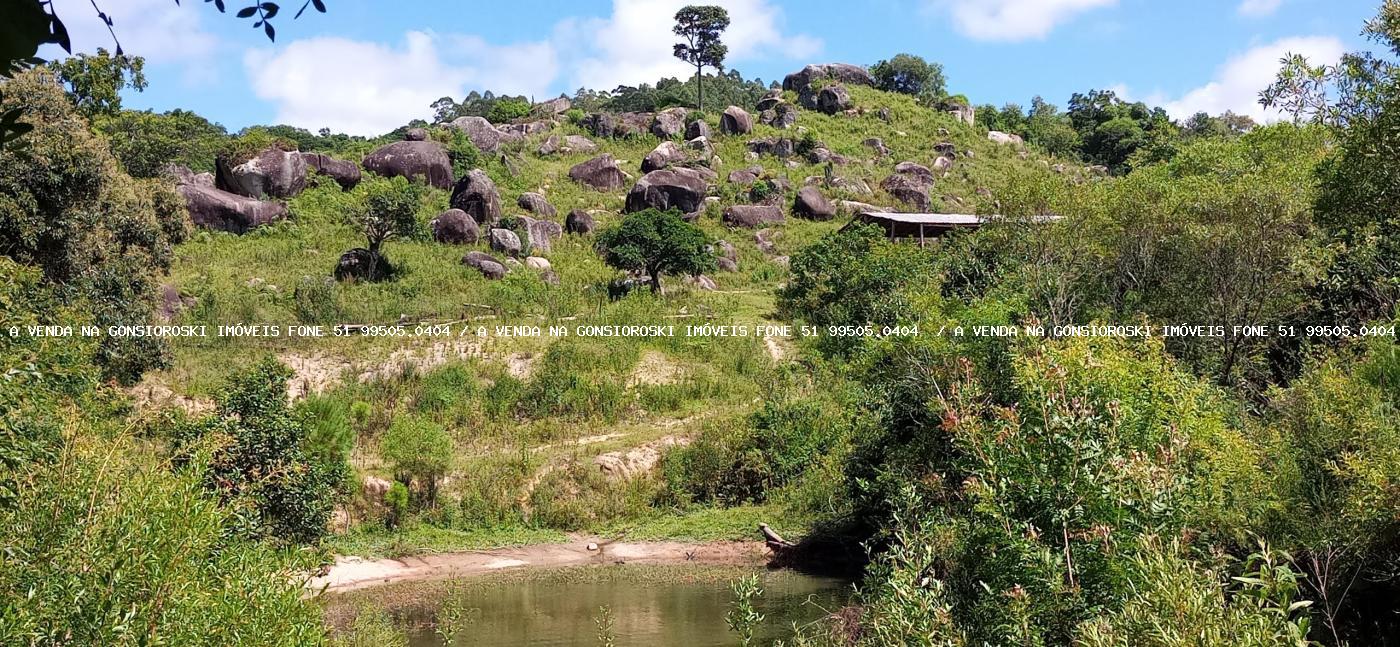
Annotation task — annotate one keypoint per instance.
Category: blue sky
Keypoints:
(365, 68)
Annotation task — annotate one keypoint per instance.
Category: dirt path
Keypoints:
(352, 573)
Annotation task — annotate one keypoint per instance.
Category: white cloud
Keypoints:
(157, 30)
(1237, 83)
(633, 45)
(369, 88)
(1259, 8)
(1012, 20)
(352, 86)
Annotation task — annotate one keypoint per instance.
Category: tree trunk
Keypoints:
(655, 281)
(700, 86)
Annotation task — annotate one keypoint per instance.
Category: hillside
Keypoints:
(570, 399)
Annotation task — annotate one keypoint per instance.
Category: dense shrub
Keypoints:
(732, 464)
(257, 456)
(68, 209)
(420, 452)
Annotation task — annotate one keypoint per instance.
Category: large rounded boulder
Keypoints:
(909, 184)
(669, 123)
(540, 234)
(833, 99)
(424, 161)
(346, 174)
(753, 216)
(455, 227)
(601, 173)
(735, 121)
(483, 135)
(476, 194)
(272, 172)
(536, 204)
(812, 205)
(579, 222)
(489, 266)
(682, 189)
(211, 208)
(665, 154)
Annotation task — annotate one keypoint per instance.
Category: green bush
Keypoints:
(67, 209)
(737, 464)
(257, 456)
(420, 452)
(508, 109)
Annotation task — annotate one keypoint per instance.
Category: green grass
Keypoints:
(518, 407)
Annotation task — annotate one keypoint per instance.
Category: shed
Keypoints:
(927, 226)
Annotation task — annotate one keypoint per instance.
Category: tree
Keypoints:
(701, 26)
(95, 82)
(656, 242)
(68, 209)
(32, 23)
(508, 109)
(420, 451)
(910, 74)
(387, 208)
(146, 142)
(260, 460)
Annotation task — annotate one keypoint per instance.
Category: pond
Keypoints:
(647, 606)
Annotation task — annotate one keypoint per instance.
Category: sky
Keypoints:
(368, 66)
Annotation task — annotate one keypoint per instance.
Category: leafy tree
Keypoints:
(1228, 124)
(1050, 129)
(95, 82)
(68, 209)
(32, 23)
(910, 74)
(420, 451)
(259, 459)
(727, 88)
(701, 26)
(658, 243)
(1112, 130)
(146, 142)
(508, 109)
(385, 208)
(1358, 201)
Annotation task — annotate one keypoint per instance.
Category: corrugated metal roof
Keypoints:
(944, 219)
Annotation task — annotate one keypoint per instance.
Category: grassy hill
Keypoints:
(528, 415)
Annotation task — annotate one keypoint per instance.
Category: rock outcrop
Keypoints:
(483, 135)
(753, 216)
(476, 194)
(506, 242)
(682, 189)
(909, 184)
(273, 172)
(812, 205)
(536, 204)
(346, 174)
(802, 82)
(833, 99)
(579, 222)
(566, 145)
(665, 154)
(489, 266)
(601, 173)
(212, 208)
(455, 227)
(540, 234)
(423, 161)
(735, 121)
